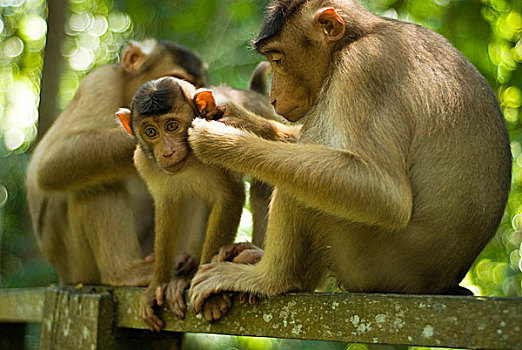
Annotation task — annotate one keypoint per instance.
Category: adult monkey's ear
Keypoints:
(330, 24)
(205, 103)
(124, 115)
(133, 57)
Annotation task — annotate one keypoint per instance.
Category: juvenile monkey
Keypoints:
(87, 204)
(162, 111)
(402, 167)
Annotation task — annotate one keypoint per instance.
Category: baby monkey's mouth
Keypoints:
(175, 167)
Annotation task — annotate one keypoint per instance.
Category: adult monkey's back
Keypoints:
(402, 168)
(87, 204)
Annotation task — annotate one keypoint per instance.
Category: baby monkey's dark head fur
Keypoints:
(155, 97)
(160, 96)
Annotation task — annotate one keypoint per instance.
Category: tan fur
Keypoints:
(88, 206)
(402, 167)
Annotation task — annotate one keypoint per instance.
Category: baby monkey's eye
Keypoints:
(172, 126)
(151, 132)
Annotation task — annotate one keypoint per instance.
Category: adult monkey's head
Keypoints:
(151, 59)
(300, 39)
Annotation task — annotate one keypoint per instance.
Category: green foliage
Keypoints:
(22, 38)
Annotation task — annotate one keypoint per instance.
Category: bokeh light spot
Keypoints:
(99, 26)
(517, 51)
(80, 22)
(516, 222)
(3, 195)
(13, 3)
(514, 257)
(514, 22)
(30, 133)
(13, 47)
(494, 50)
(442, 3)
(512, 97)
(21, 111)
(1, 25)
(14, 139)
(119, 22)
(511, 114)
(81, 59)
(33, 27)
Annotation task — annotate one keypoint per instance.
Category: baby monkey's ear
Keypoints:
(206, 105)
(124, 115)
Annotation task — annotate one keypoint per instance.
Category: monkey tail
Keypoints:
(259, 80)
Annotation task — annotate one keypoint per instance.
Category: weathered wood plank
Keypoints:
(22, 305)
(77, 321)
(79, 318)
(441, 321)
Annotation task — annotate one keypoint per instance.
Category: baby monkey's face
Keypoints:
(162, 111)
(165, 138)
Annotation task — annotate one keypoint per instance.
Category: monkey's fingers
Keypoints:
(243, 298)
(247, 298)
(227, 298)
(248, 256)
(219, 112)
(215, 306)
(175, 297)
(203, 285)
(177, 307)
(197, 298)
(233, 251)
(149, 258)
(208, 309)
(185, 265)
(206, 267)
(153, 322)
(160, 295)
(230, 122)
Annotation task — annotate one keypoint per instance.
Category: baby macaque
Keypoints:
(198, 207)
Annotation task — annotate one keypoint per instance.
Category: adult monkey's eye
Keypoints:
(172, 126)
(277, 58)
(151, 132)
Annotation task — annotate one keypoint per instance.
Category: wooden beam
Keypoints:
(22, 305)
(75, 320)
(440, 321)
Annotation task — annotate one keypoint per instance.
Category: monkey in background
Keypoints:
(162, 111)
(402, 167)
(88, 206)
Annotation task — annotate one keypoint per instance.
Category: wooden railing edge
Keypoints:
(420, 320)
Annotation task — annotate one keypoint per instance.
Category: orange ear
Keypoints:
(124, 115)
(205, 103)
(132, 58)
(331, 24)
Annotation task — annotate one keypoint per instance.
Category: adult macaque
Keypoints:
(88, 206)
(162, 111)
(402, 168)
